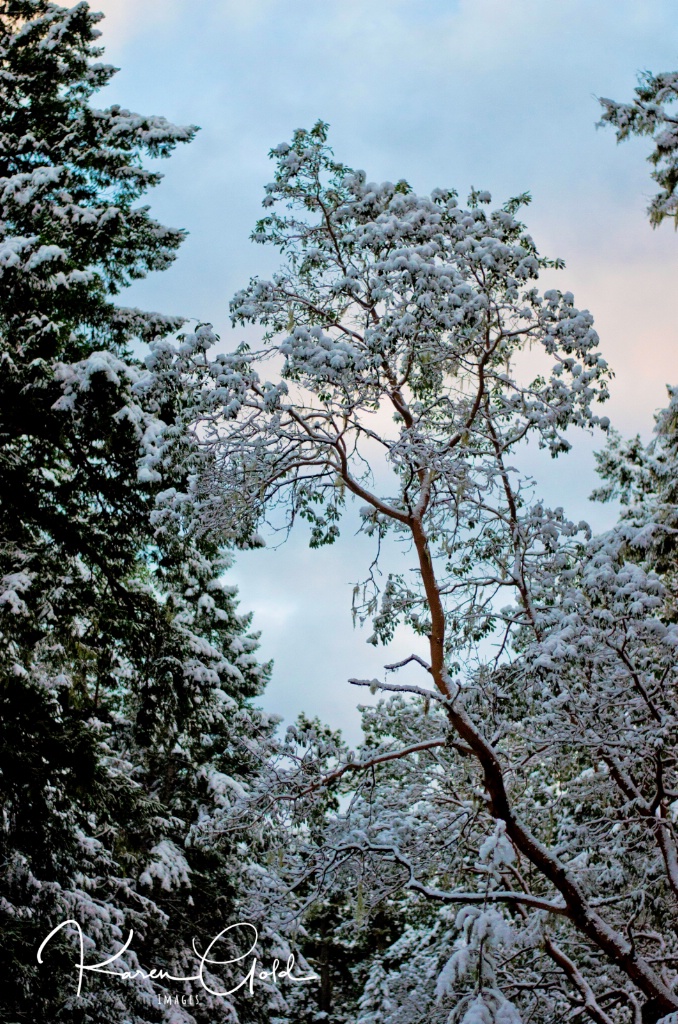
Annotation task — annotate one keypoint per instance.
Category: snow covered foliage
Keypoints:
(515, 805)
(127, 674)
(652, 113)
(644, 479)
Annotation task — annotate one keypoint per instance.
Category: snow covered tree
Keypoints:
(127, 674)
(521, 806)
(652, 113)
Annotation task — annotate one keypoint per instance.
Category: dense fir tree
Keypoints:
(126, 674)
(652, 113)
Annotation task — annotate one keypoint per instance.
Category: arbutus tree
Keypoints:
(528, 789)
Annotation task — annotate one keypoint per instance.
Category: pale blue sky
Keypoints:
(497, 94)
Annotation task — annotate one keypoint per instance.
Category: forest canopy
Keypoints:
(501, 847)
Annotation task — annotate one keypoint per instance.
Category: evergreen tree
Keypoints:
(127, 673)
(652, 114)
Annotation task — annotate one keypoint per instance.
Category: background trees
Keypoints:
(527, 789)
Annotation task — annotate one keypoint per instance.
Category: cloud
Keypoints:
(129, 19)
